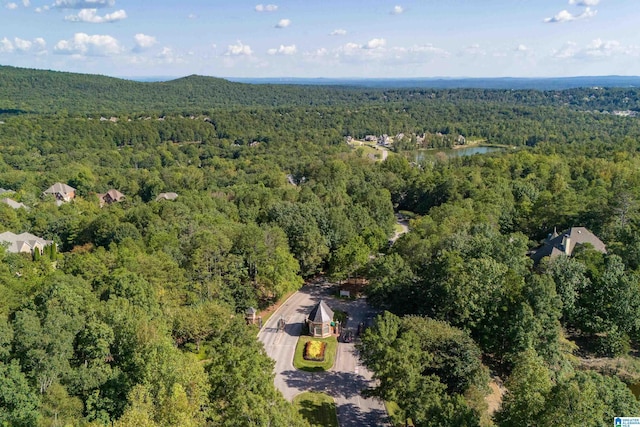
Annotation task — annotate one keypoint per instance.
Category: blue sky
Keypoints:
(324, 38)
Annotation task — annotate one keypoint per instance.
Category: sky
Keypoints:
(324, 38)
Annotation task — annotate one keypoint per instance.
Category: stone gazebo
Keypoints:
(320, 320)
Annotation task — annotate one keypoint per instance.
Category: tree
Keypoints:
(424, 366)
(18, 403)
(528, 389)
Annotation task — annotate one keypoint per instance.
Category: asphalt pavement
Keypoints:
(345, 380)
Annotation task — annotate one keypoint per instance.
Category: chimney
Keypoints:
(566, 244)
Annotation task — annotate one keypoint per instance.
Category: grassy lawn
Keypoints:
(398, 228)
(317, 408)
(368, 150)
(309, 365)
(394, 411)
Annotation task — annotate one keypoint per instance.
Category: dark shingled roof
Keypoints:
(321, 313)
(555, 244)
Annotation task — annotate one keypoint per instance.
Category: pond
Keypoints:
(422, 155)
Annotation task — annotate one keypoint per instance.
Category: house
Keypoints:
(320, 320)
(13, 203)
(109, 197)
(167, 196)
(565, 243)
(62, 192)
(24, 242)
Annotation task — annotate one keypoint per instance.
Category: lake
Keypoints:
(458, 152)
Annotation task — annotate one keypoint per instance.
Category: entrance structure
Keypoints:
(320, 320)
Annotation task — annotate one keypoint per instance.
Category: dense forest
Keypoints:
(136, 319)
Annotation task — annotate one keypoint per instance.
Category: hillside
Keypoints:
(28, 91)
(38, 91)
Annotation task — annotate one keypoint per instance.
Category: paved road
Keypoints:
(404, 224)
(347, 377)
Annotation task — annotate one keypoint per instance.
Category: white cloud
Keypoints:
(6, 46)
(26, 3)
(283, 23)
(22, 45)
(375, 44)
(567, 51)
(266, 8)
(475, 49)
(397, 10)
(91, 16)
(283, 50)
(566, 16)
(83, 4)
(85, 44)
(168, 56)
(584, 2)
(377, 51)
(605, 48)
(338, 32)
(427, 49)
(596, 49)
(522, 48)
(144, 41)
(37, 45)
(41, 9)
(238, 49)
(11, 6)
(192, 16)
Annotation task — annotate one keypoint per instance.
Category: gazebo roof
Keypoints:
(321, 313)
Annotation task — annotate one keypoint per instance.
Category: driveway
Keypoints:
(347, 377)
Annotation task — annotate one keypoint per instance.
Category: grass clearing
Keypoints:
(318, 409)
(395, 412)
(309, 365)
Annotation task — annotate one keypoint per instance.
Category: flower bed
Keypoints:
(314, 350)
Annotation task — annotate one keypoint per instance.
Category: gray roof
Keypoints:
(59, 188)
(24, 242)
(13, 203)
(565, 243)
(167, 196)
(321, 313)
(113, 196)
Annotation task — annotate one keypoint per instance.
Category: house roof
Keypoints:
(565, 243)
(321, 313)
(13, 203)
(114, 195)
(23, 242)
(167, 196)
(59, 188)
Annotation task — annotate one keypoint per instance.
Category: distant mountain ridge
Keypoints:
(29, 91)
(39, 91)
(516, 83)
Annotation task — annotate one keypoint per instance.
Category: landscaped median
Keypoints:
(317, 408)
(315, 352)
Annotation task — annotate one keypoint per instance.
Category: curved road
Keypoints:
(347, 377)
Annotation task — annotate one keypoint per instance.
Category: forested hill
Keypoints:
(39, 91)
